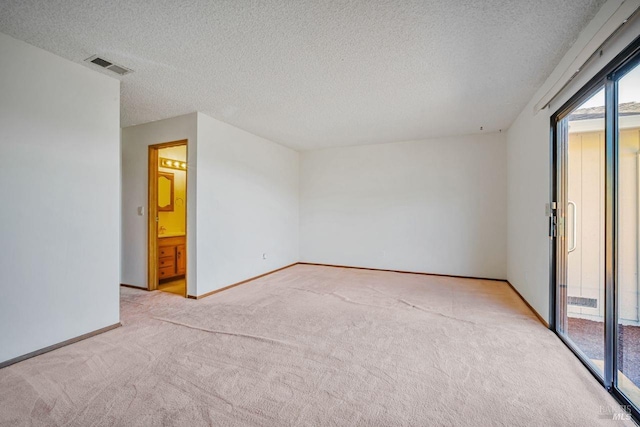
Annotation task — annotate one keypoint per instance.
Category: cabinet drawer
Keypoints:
(167, 261)
(166, 251)
(166, 272)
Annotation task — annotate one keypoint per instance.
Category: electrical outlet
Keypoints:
(264, 256)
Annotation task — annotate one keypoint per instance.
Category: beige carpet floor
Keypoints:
(314, 346)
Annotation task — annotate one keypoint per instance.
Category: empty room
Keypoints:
(310, 213)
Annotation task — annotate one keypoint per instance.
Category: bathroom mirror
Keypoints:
(165, 191)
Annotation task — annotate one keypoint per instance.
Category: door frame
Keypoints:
(608, 78)
(559, 132)
(152, 217)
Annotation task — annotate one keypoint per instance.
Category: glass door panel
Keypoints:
(628, 262)
(582, 299)
(595, 223)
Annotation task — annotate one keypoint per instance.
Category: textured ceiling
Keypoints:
(313, 73)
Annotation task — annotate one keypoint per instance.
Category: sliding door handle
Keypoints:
(574, 226)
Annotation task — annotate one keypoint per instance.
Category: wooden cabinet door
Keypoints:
(181, 261)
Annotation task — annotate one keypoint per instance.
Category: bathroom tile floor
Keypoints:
(174, 287)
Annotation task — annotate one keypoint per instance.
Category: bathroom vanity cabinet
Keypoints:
(172, 257)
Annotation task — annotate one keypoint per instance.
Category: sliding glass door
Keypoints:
(581, 298)
(595, 225)
(628, 262)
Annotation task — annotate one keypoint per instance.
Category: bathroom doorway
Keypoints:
(167, 224)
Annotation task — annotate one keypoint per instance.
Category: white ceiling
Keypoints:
(316, 73)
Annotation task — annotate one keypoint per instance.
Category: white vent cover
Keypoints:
(104, 63)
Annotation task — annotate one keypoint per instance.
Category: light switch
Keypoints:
(140, 210)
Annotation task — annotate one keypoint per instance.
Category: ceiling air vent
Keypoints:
(118, 69)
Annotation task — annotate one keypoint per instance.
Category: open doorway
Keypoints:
(167, 249)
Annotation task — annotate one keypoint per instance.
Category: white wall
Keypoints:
(528, 190)
(247, 205)
(135, 158)
(436, 206)
(59, 186)
(529, 169)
